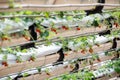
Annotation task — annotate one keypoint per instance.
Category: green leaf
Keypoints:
(69, 18)
(10, 50)
(25, 74)
(19, 58)
(5, 57)
(95, 23)
(11, 4)
(117, 69)
(44, 34)
(39, 69)
(48, 42)
(61, 14)
(28, 12)
(18, 49)
(17, 19)
(9, 78)
(24, 50)
(47, 14)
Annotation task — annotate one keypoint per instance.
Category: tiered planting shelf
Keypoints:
(82, 36)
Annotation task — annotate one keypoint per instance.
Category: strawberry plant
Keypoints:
(17, 48)
(64, 43)
(4, 37)
(38, 30)
(54, 30)
(97, 58)
(72, 66)
(47, 71)
(65, 28)
(77, 28)
(18, 59)
(95, 23)
(48, 42)
(28, 12)
(65, 67)
(97, 44)
(44, 34)
(86, 75)
(83, 51)
(39, 70)
(4, 63)
(26, 35)
(116, 66)
(47, 14)
(9, 78)
(23, 51)
(32, 58)
(61, 14)
(90, 49)
(66, 54)
(25, 74)
(4, 60)
(116, 24)
(117, 16)
(13, 34)
(10, 50)
(11, 3)
(94, 57)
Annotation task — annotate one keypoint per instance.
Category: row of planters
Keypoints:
(11, 56)
(84, 44)
(52, 29)
(105, 70)
(16, 24)
(98, 69)
(34, 62)
(48, 60)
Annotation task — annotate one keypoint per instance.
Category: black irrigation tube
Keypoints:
(81, 58)
(33, 16)
(58, 39)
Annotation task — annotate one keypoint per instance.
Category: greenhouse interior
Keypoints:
(59, 39)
